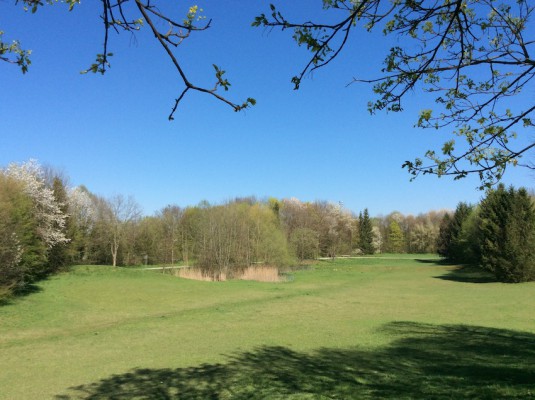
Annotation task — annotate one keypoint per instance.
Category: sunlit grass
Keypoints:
(374, 322)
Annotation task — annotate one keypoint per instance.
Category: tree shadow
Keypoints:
(27, 290)
(462, 273)
(468, 274)
(435, 261)
(423, 361)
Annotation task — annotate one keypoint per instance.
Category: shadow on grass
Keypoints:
(463, 273)
(22, 292)
(434, 261)
(423, 361)
(468, 274)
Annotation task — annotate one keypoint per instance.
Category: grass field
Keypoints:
(400, 327)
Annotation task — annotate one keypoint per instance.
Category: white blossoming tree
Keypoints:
(47, 212)
(82, 217)
(32, 224)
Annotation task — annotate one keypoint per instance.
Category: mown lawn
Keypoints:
(399, 327)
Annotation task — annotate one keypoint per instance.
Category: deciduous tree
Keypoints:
(15, 219)
(423, 237)
(47, 211)
(120, 215)
(305, 243)
(82, 221)
(32, 224)
(58, 254)
(395, 237)
(170, 217)
(236, 235)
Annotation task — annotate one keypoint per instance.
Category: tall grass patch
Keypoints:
(260, 273)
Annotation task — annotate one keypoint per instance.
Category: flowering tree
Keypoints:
(31, 228)
(81, 208)
(47, 212)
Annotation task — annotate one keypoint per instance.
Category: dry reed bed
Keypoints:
(257, 273)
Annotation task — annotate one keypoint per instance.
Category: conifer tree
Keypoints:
(365, 233)
(450, 242)
(507, 235)
(444, 236)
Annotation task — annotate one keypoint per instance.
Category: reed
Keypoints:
(198, 274)
(264, 273)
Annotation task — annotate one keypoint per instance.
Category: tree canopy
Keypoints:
(471, 56)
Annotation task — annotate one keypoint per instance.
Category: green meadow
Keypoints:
(398, 327)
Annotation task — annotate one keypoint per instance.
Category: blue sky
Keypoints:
(111, 132)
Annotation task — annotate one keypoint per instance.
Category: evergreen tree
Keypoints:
(507, 235)
(467, 242)
(457, 245)
(451, 243)
(444, 236)
(365, 233)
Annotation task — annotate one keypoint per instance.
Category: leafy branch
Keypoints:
(470, 55)
(130, 16)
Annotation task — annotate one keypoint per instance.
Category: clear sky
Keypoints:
(111, 132)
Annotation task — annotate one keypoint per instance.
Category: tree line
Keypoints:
(45, 226)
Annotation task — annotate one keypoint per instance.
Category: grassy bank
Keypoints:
(400, 327)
